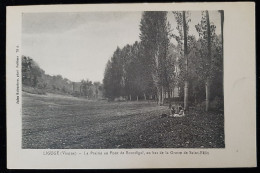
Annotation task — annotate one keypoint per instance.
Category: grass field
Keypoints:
(63, 122)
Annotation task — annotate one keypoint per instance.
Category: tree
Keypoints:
(107, 81)
(134, 83)
(186, 84)
(31, 72)
(209, 55)
(172, 67)
(86, 88)
(222, 23)
(126, 74)
(182, 26)
(154, 41)
(35, 81)
(117, 73)
(26, 70)
(96, 85)
(89, 90)
(206, 32)
(222, 37)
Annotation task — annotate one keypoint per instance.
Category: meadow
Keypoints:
(65, 122)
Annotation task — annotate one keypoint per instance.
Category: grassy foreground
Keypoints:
(63, 122)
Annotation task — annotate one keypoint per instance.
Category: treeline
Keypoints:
(35, 81)
(155, 68)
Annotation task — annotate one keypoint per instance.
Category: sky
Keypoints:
(78, 45)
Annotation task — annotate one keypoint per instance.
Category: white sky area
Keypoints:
(78, 45)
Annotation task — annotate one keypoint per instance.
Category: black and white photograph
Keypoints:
(106, 80)
(131, 86)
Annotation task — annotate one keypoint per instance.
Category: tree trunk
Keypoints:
(210, 63)
(137, 98)
(207, 94)
(130, 97)
(159, 96)
(162, 100)
(222, 41)
(222, 23)
(144, 96)
(186, 84)
(169, 97)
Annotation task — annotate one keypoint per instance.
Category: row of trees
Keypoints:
(33, 76)
(125, 73)
(89, 89)
(154, 66)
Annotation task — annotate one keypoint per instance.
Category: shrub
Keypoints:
(76, 93)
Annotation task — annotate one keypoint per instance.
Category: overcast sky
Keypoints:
(78, 45)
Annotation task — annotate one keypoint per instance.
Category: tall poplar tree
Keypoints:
(182, 26)
(154, 40)
(206, 32)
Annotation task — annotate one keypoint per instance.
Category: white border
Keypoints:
(239, 87)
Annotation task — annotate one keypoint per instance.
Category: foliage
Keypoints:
(30, 72)
(141, 69)
(179, 17)
(205, 67)
(209, 65)
(107, 81)
(124, 74)
(34, 77)
(155, 41)
(153, 67)
(86, 88)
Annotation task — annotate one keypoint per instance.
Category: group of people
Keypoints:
(177, 111)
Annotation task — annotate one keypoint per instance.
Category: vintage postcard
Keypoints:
(111, 86)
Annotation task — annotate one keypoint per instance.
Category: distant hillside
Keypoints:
(35, 81)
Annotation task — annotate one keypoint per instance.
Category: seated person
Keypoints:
(177, 110)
